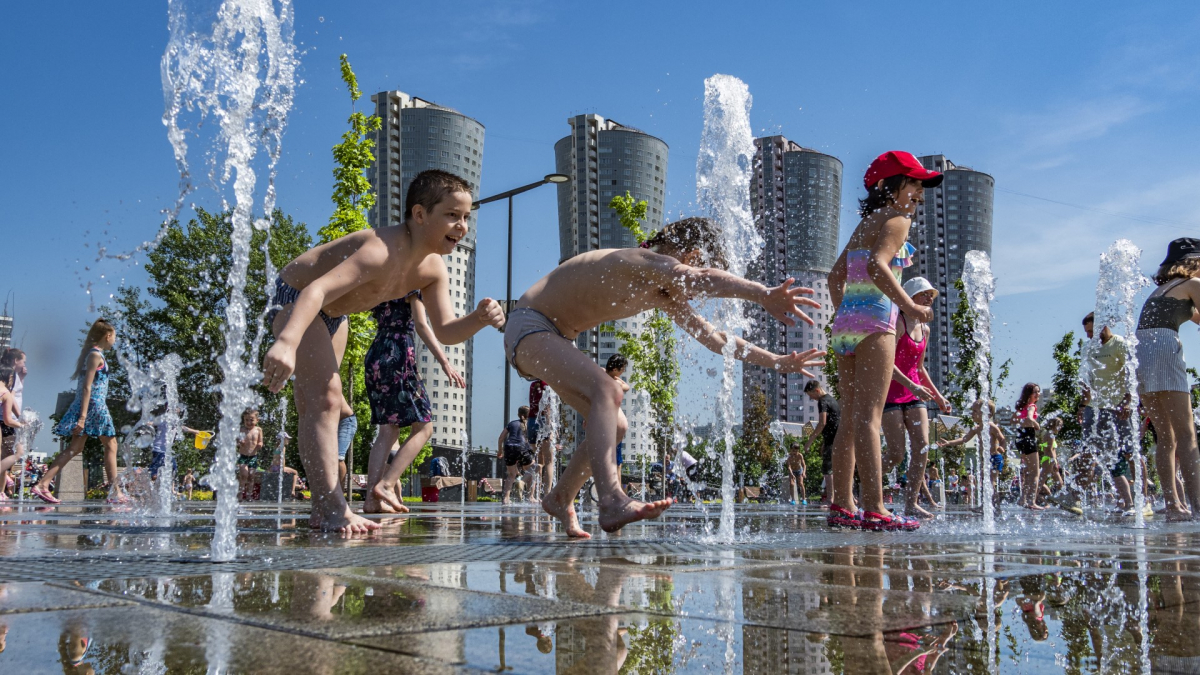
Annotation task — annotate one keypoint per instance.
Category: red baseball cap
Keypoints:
(900, 163)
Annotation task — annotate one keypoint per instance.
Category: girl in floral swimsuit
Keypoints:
(398, 397)
(865, 287)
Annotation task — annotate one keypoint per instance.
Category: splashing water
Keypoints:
(241, 71)
(777, 433)
(466, 443)
(1116, 297)
(150, 389)
(549, 431)
(981, 287)
(31, 424)
(723, 171)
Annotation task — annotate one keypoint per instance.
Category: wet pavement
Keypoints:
(86, 588)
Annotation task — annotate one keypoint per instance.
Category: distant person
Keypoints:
(189, 483)
(10, 419)
(356, 273)
(1162, 373)
(797, 473)
(864, 285)
(88, 414)
(1051, 468)
(514, 449)
(905, 409)
(996, 439)
(163, 440)
(829, 415)
(15, 359)
(1028, 428)
(1108, 415)
(615, 368)
(249, 442)
(279, 463)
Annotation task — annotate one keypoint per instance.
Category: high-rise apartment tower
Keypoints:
(418, 135)
(955, 218)
(796, 196)
(605, 159)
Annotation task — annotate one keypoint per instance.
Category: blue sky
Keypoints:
(1092, 106)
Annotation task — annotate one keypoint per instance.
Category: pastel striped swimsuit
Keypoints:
(865, 310)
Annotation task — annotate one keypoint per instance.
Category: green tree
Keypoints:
(182, 312)
(963, 380)
(652, 353)
(1066, 395)
(757, 450)
(352, 198)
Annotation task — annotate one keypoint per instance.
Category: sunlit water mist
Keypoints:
(149, 390)
(723, 171)
(1119, 283)
(980, 288)
(236, 66)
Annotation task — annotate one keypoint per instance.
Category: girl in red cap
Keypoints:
(864, 285)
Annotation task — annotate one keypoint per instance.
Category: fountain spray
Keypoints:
(31, 425)
(1116, 295)
(980, 288)
(241, 71)
(723, 171)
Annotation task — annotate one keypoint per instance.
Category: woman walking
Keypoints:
(1162, 373)
(864, 285)
(905, 409)
(88, 414)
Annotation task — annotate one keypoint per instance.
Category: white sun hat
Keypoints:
(917, 285)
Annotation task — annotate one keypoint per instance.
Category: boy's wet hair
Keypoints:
(616, 362)
(811, 385)
(693, 234)
(430, 187)
(882, 194)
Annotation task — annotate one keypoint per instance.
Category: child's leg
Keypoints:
(510, 477)
(840, 483)
(1187, 457)
(893, 436)
(586, 387)
(1124, 494)
(1158, 405)
(874, 358)
(318, 394)
(1029, 479)
(394, 467)
(916, 421)
(381, 451)
(110, 464)
(546, 458)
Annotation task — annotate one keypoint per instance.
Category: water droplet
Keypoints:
(321, 19)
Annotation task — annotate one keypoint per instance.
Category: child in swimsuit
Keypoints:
(398, 397)
(996, 438)
(250, 441)
(355, 273)
(597, 287)
(1028, 428)
(864, 285)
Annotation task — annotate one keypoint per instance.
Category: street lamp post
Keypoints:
(550, 178)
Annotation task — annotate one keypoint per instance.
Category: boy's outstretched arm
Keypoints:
(449, 329)
(779, 301)
(280, 360)
(693, 324)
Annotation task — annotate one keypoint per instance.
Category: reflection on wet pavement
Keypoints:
(89, 589)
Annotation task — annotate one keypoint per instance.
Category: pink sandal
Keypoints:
(44, 496)
(877, 522)
(843, 518)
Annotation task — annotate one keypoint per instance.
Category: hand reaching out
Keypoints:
(799, 362)
(278, 365)
(785, 299)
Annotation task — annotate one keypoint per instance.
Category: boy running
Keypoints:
(354, 274)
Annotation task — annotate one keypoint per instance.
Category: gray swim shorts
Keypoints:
(523, 322)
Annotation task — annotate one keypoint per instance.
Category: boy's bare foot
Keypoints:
(566, 514)
(1178, 515)
(340, 519)
(620, 511)
(918, 512)
(382, 499)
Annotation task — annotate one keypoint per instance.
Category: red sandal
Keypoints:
(843, 518)
(44, 496)
(877, 522)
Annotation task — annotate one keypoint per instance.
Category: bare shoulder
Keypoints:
(432, 269)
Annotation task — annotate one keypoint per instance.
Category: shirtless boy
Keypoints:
(610, 284)
(250, 441)
(996, 437)
(354, 274)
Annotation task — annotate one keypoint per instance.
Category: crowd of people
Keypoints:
(879, 336)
